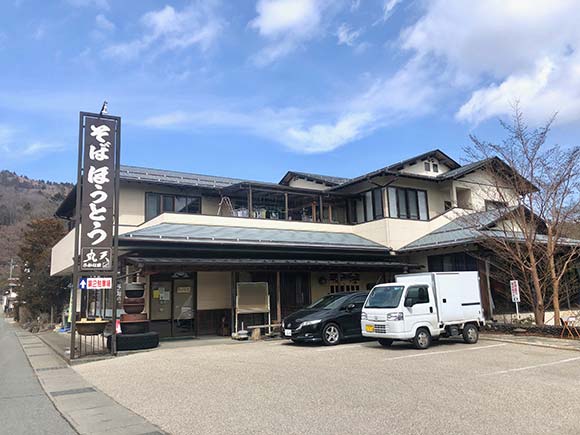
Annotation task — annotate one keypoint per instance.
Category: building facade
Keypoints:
(192, 238)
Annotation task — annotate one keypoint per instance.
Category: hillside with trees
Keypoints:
(22, 200)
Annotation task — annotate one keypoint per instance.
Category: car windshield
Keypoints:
(385, 297)
(329, 302)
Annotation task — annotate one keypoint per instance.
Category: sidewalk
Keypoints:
(529, 340)
(87, 409)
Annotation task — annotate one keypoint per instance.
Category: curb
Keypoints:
(86, 409)
(549, 346)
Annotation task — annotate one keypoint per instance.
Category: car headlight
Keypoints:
(395, 316)
(363, 316)
(309, 323)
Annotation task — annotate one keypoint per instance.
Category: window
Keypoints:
(378, 204)
(368, 206)
(408, 203)
(435, 167)
(157, 203)
(427, 166)
(419, 295)
(494, 205)
(358, 301)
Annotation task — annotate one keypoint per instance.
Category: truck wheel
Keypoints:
(331, 334)
(386, 342)
(422, 338)
(470, 333)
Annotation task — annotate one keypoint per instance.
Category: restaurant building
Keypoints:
(192, 238)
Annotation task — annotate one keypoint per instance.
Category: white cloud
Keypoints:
(500, 51)
(388, 10)
(286, 25)
(347, 36)
(99, 4)
(382, 102)
(11, 145)
(168, 29)
(39, 32)
(103, 23)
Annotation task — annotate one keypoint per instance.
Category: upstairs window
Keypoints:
(427, 166)
(495, 205)
(435, 167)
(407, 203)
(157, 203)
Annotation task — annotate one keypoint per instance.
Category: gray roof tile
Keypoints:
(258, 236)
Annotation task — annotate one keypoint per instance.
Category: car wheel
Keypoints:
(386, 342)
(422, 338)
(331, 334)
(470, 333)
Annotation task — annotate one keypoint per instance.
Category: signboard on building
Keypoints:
(515, 288)
(96, 283)
(98, 194)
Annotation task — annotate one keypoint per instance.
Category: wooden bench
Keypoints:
(257, 329)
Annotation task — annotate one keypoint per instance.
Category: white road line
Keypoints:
(340, 347)
(415, 355)
(520, 369)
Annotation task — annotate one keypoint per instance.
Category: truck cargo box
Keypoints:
(457, 294)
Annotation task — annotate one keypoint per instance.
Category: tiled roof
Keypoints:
(327, 179)
(265, 262)
(188, 233)
(148, 175)
(463, 229)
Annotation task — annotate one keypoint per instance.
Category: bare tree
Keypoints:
(536, 189)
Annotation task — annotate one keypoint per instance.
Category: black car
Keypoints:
(331, 319)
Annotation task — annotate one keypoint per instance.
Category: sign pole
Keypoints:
(116, 233)
(515, 290)
(73, 307)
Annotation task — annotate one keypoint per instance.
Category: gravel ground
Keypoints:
(357, 388)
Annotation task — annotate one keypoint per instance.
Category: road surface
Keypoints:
(24, 407)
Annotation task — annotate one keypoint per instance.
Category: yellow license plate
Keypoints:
(370, 328)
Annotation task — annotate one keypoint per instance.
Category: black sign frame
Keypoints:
(110, 243)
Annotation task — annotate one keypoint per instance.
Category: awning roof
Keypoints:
(268, 263)
(225, 235)
(472, 228)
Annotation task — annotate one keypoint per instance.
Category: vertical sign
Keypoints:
(98, 193)
(97, 204)
(515, 288)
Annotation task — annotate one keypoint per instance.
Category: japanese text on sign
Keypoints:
(98, 190)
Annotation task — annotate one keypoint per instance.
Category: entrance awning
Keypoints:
(267, 263)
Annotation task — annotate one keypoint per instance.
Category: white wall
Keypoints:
(305, 184)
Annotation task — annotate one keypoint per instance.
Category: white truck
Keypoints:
(420, 307)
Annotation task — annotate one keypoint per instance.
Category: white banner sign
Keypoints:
(515, 288)
(97, 283)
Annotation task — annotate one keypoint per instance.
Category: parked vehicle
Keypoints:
(421, 307)
(331, 319)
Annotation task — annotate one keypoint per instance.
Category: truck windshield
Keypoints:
(385, 297)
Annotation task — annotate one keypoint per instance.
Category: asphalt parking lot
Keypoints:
(273, 387)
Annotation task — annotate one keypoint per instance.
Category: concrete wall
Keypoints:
(419, 168)
(483, 188)
(305, 184)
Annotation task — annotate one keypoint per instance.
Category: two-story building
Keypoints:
(194, 237)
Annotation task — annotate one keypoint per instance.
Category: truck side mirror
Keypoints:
(409, 302)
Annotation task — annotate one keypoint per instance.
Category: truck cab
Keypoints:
(423, 307)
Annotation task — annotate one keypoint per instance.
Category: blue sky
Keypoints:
(252, 88)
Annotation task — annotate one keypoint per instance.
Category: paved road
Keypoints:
(358, 388)
(24, 408)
